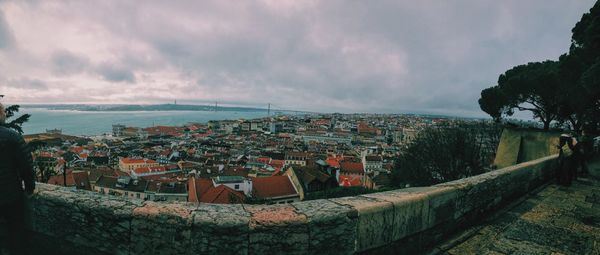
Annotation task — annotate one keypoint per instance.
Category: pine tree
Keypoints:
(17, 123)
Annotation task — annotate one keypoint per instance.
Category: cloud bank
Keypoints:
(346, 56)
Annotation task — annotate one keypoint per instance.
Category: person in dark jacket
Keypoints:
(583, 149)
(16, 185)
(565, 159)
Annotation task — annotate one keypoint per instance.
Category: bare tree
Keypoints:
(446, 153)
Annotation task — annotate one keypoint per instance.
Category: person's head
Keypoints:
(564, 139)
(2, 114)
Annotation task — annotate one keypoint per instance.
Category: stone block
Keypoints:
(443, 202)
(411, 210)
(85, 219)
(332, 227)
(543, 172)
(220, 229)
(514, 182)
(161, 228)
(375, 220)
(476, 194)
(277, 229)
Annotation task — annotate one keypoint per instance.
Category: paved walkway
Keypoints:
(556, 220)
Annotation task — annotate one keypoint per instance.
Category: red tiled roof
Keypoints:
(350, 181)
(333, 162)
(120, 173)
(265, 160)
(321, 122)
(277, 172)
(236, 171)
(201, 135)
(277, 163)
(197, 187)
(273, 186)
(94, 174)
(222, 195)
(165, 152)
(284, 135)
(77, 149)
(152, 169)
(99, 154)
(158, 130)
(352, 167)
(202, 190)
(137, 161)
(74, 179)
(46, 154)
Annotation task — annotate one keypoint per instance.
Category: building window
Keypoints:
(237, 186)
(137, 195)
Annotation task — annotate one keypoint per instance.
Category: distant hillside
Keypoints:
(160, 107)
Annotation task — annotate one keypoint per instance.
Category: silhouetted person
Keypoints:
(16, 184)
(583, 151)
(566, 166)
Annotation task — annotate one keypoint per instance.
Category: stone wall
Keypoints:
(400, 221)
(519, 145)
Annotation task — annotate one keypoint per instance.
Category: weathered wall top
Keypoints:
(405, 221)
(519, 145)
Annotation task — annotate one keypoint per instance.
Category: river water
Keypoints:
(96, 123)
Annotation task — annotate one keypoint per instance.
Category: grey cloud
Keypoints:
(6, 36)
(67, 63)
(114, 73)
(387, 56)
(26, 83)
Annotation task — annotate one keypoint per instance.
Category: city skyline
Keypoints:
(315, 56)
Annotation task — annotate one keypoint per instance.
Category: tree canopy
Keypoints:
(17, 122)
(566, 90)
(531, 87)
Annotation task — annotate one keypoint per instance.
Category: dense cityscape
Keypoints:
(280, 159)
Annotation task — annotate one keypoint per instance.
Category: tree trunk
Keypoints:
(575, 125)
(547, 125)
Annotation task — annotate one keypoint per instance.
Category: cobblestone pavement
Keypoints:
(556, 220)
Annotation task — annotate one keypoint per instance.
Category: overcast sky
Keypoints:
(348, 56)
